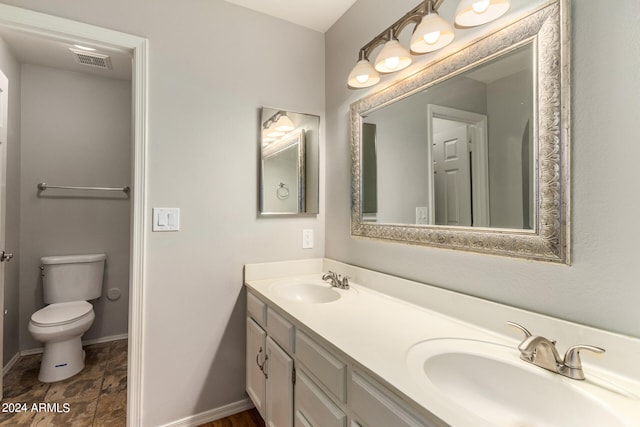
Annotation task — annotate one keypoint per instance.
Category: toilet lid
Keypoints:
(61, 313)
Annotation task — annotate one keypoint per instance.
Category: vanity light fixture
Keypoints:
(393, 56)
(363, 74)
(471, 13)
(431, 33)
(284, 123)
(277, 125)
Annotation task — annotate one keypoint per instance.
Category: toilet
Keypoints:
(68, 283)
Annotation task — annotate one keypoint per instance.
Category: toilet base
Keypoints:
(61, 360)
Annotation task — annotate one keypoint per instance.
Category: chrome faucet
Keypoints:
(542, 352)
(336, 280)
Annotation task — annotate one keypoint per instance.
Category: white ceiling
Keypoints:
(318, 15)
(39, 50)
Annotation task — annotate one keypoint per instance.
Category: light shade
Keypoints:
(433, 33)
(363, 75)
(284, 124)
(392, 57)
(477, 12)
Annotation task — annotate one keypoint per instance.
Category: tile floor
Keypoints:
(96, 397)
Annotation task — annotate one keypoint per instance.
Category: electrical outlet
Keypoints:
(422, 215)
(307, 238)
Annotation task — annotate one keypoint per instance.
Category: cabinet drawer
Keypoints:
(377, 408)
(313, 407)
(257, 309)
(329, 370)
(280, 330)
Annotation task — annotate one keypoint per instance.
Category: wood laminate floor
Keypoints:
(250, 418)
(96, 397)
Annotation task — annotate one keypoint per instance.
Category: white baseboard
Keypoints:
(213, 414)
(10, 363)
(106, 339)
(87, 342)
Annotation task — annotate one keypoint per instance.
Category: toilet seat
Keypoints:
(61, 313)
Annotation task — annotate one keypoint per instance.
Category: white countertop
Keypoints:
(377, 331)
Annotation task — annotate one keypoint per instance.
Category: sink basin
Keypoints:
(308, 291)
(489, 381)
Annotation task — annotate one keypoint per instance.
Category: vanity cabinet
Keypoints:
(322, 389)
(269, 368)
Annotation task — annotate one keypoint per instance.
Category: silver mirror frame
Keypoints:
(548, 28)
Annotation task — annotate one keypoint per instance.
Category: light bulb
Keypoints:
(471, 13)
(432, 38)
(480, 6)
(431, 34)
(363, 75)
(393, 57)
(392, 63)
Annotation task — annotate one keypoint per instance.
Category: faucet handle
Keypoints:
(526, 332)
(572, 356)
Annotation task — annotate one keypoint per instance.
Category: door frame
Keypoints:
(4, 106)
(480, 160)
(48, 26)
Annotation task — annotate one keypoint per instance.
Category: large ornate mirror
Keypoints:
(472, 152)
(289, 162)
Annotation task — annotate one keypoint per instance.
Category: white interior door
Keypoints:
(443, 121)
(4, 105)
(452, 175)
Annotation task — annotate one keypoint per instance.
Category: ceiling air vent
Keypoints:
(92, 59)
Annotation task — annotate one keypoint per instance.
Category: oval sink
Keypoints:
(490, 381)
(306, 291)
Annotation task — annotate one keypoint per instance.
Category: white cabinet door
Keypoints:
(279, 396)
(256, 356)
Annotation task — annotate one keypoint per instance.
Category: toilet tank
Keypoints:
(72, 277)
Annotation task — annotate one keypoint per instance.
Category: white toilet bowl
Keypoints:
(60, 327)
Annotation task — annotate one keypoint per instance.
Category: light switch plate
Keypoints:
(307, 238)
(166, 219)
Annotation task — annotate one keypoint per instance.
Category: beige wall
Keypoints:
(601, 287)
(212, 65)
(76, 130)
(11, 68)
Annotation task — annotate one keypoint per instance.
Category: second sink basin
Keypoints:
(308, 291)
(490, 381)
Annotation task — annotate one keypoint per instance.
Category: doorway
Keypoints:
(59, 29)
(459, 167)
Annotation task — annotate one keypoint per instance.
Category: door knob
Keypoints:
(5, 256)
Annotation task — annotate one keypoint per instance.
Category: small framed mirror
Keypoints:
(289, 162)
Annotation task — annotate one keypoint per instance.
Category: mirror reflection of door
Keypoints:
(460, 167)
(451, 173)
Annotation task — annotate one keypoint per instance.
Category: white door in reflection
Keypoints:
(452, 174)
